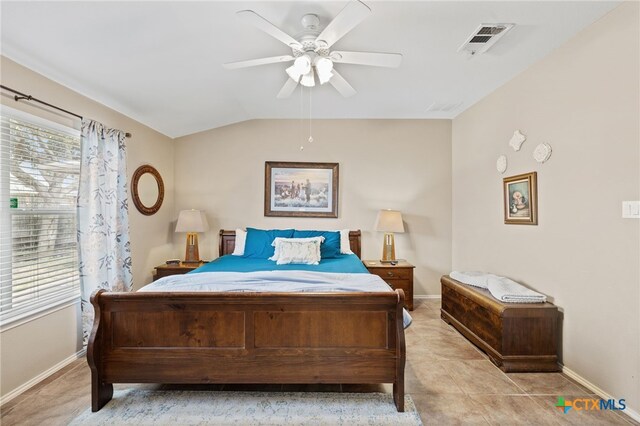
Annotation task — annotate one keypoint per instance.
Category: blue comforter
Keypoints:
(344, 263)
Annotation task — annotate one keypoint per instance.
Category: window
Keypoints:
(39, 174)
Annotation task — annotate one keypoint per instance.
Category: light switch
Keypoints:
(631, 209)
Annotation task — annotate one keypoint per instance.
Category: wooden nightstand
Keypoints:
(165, 270)
(397, 276)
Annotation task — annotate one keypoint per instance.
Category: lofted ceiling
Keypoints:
(161, 62)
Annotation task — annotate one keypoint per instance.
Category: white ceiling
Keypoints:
(161, 62)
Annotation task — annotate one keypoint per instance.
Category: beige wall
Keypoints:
(399, 164)
(22, 351)
(583, 99)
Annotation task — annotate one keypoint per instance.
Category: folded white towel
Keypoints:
(474, 278)
(509, 291)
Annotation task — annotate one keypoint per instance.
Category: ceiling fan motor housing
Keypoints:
(311, 21)
(309, 37)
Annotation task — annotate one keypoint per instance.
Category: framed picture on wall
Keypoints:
(300, 189)
(521, 199)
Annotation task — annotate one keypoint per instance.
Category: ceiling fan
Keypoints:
(311, 50)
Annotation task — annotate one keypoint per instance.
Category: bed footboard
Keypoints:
(246, 338)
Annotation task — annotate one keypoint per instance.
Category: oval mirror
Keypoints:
(147, 189)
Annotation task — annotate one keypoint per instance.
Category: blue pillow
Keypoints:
(258, 242)
(329, 248)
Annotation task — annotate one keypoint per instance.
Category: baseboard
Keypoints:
(427, 296)
(601, 393)
(40, 377)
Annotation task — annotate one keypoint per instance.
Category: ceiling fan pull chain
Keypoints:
(310, 137)
(301, 117)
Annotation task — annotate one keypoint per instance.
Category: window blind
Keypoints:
(39, 175)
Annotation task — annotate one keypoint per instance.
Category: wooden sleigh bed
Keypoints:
(205, 337)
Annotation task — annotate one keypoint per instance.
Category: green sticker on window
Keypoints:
(13, 203)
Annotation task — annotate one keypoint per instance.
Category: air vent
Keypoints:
(480, 39)
(497, 29)
(485, 36)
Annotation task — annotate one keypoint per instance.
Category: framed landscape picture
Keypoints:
(300, 189)
(521, 199)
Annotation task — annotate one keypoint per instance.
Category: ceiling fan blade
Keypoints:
(389, 60)
(341, 85)
(353, 13)
(288, 88)
(262, 24)
(256, 62)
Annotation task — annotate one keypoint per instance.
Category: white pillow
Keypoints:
(241, 239)
(295, 251)
(276, 244)
(345, 245)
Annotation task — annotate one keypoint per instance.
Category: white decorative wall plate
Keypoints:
(517, 140)
(501, 164)
(542, 152)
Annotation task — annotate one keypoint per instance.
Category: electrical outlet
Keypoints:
(631, 209)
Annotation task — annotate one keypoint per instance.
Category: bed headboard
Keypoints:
(228, 241)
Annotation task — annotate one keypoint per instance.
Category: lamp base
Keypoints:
(388, 248)
(191, 254)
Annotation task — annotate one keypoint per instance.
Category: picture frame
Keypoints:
(299, 189)
(520, 194)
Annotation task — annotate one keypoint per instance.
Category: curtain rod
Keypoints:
(21, 96)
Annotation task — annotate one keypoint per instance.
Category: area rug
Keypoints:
(164, 407)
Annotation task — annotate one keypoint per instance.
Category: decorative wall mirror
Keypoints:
(147, 189)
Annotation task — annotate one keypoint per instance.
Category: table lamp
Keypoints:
(192, 222)
(389, 221)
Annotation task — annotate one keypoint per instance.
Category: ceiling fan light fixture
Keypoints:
(302, 64)
(308, 80)
(324, 66)
(324, 77)
(293, 73)
(300, 67)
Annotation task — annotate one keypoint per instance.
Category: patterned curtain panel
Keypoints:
(103, 216)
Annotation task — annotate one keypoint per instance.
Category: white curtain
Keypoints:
(103, 216)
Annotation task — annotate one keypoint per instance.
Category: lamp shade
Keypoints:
(389, 221)
(192, 221)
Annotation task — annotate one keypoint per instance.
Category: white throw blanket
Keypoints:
(270, 281)
(474, 278)
(502, 288)
(509, 291)
(273, 281)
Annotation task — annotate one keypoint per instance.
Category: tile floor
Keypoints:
(450, 381)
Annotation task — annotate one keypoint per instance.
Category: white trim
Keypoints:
(34, 119)
(598, 391)
(427, 296)
(40, 377)
(32, 316)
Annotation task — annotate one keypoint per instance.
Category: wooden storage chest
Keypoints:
(517, 337)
